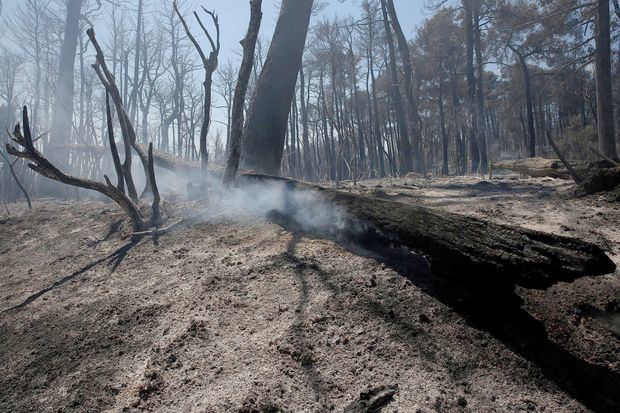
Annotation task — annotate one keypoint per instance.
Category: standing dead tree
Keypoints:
(156, 218)
(43, 166)
(210, 66)
(265, 129)
(407, 74)
(247, 63)
(129, 134)
(120, 172)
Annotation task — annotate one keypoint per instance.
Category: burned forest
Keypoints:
(346, 206)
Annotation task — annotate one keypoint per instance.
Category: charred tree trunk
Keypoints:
(129, 133)
(480, 111)
(403, 129)
(529, 101)
(266, 124)
(471, 85)
(403, 47)
(245, 71)
(308, 173)
(120, 171)
(133, 97)
(63, 98)
(464, 247)
(604, 90)
(444, 132)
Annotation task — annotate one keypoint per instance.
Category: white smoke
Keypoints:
(309, 210)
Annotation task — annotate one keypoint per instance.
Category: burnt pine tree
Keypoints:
(210, 66)
(265, 130)
(468, 15)
(249, 45)
(412, 111)
(405, 149)
(61, 124)
(604, 91)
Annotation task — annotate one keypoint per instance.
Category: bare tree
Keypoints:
(403, 47)
(248, 43)
(225, 87)
(129, 133)
(405, 149)
(210, 66)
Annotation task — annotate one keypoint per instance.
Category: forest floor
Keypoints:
(245, 316)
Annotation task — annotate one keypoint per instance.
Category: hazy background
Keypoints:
(234, 16)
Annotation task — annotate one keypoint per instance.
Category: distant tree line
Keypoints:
(329, 99)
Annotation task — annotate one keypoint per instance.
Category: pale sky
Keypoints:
(234, 16)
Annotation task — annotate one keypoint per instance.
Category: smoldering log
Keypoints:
(464, 247)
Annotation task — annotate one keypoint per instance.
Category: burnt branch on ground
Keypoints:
(40, 164)
(16, 178)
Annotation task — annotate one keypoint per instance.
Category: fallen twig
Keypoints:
(372, 400)
(161, 231)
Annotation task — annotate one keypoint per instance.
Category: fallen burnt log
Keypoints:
(591, 177)
(464, 247)
(542, 168)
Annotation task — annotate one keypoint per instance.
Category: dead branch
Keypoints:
(566, 164)
(156, 199)
(372, 400)
(161, 159)
(178, 224)
(596, 152)
(108, 81)
(44, 167)
(541, 168)
(17, 181)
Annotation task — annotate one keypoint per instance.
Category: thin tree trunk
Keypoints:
(480, 116)
(444, 132)
(604, 91)
(245, 71)
(471, 85)
(412, 111)
(307, 161)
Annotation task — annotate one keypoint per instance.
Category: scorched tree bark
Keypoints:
(268, 114)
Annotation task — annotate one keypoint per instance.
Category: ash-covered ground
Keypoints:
(238, 314)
